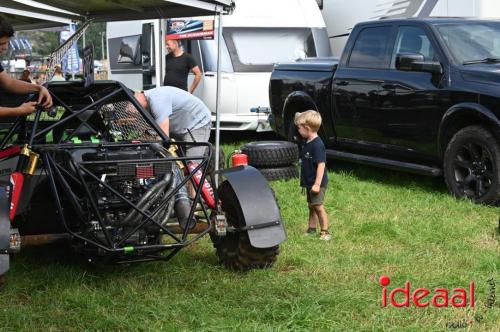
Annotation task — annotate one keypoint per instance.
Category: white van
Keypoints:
(258, 34)
(340, 17)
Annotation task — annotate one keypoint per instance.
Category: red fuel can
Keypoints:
(238, 158)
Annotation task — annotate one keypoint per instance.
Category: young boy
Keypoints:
(312, 171)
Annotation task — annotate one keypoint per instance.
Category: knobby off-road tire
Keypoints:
(234, 250)
(211, 166)
(472, 165)
(281, 173)
(271, 153)
(222, 161)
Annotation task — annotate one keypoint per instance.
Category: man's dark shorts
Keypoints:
(316, 199)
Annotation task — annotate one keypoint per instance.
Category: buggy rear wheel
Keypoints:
(234, 250)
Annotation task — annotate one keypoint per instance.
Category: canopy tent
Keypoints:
(28, 14)
(116, 10)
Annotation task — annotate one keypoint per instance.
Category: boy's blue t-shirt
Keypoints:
(312, 153)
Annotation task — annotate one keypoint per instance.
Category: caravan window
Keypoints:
(208, 50)
(258, 49)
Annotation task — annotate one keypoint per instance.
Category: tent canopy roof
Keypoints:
(28, 14)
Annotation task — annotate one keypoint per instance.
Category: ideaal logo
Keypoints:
(423, 297)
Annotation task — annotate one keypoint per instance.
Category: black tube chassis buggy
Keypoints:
(101, 173)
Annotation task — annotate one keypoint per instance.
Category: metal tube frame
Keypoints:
(54, 157)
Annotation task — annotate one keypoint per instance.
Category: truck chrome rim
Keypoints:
(473, 169)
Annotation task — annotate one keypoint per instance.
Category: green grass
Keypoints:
(383, 222)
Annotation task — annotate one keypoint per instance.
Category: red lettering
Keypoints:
(462, 295)
(416, 297)
(471, 292)
(384, 297)
(439, 299)
(405, 291)
(443, 296)
(384, 281)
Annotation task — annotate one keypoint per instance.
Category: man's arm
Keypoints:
(24, 109)
(21, 87)
(197, 78)
(165, 126)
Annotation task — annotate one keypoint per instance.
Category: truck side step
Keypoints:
(385, 163)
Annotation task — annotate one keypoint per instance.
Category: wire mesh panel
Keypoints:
(125, 123)
(57, 56)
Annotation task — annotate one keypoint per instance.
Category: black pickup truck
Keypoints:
(417, 95)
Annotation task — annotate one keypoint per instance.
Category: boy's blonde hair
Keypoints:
(310, 118)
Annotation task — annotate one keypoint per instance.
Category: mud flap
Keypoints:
(258, 204)
(4, 230)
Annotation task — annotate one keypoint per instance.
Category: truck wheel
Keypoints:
(234, 250)
(271, 153)
(281, 173)
(2, 281)
(472, 165)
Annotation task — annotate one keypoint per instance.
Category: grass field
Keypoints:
(383, 223)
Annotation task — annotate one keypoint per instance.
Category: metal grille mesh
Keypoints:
(125, 123)
(57, 56)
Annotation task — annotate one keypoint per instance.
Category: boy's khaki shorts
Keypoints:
(316, 199)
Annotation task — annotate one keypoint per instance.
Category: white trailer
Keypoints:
(257, 35)
(340, 15)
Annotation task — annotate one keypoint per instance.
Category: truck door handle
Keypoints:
(389, 86)
(342, 83)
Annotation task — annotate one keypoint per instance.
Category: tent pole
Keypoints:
(217, 98)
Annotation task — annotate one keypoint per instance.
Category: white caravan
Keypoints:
(258, 34)
(340, 15)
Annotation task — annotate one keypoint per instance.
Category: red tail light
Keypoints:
(144, 171)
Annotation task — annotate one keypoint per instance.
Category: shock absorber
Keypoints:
(26, 165)
(207, 191)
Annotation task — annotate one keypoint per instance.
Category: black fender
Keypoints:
(4, 230)
(260, 210)
(467, 109)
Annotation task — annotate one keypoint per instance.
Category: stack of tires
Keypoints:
(276, 160)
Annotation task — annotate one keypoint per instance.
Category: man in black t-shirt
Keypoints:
(10, 84)
(178, 64)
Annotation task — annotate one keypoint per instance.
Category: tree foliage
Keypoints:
(45, 42)
(94, 34)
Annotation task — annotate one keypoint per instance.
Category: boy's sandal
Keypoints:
(311, 230)
(325, 235)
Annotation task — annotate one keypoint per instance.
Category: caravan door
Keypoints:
(205, 54)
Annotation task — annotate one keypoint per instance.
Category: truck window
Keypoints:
(472, 41)
(412, 40)
(370, 48)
